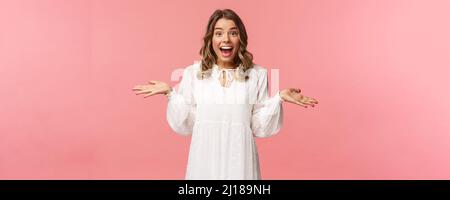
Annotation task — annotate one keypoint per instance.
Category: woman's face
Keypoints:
(225, 42)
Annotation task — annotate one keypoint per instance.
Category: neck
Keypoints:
(226, 65)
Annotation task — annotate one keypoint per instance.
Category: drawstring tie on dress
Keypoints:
(227, 77)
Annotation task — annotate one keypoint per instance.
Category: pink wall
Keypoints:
(379, 68)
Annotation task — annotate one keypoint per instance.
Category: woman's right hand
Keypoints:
(154, 87)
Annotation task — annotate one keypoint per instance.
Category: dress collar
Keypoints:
(217, 70)
(231, 74)
(217, 67)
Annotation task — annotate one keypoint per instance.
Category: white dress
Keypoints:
(223, 122)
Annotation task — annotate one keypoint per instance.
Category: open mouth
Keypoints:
(226, 51)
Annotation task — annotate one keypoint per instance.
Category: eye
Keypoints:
(218, 33)
(234, 33)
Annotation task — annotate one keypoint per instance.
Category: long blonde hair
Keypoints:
(244, 59)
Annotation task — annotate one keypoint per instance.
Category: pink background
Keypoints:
(379, 68)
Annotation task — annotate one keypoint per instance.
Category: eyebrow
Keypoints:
(230, 28)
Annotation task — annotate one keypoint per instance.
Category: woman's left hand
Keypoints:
(293, 95)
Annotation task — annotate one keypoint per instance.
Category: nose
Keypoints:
(225, 38)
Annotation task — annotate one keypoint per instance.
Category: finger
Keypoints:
(142, 92)
(152, 82)
(298, 90)
(300, 104)
(307, 103)
(310, 103)
(313, 101)
(295, 90)
(137, 87)
(303, 103)
(149, 94)
(308, 100)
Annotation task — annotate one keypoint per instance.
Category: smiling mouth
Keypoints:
(226, 51)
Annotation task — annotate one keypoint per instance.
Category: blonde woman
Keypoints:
(222, 101)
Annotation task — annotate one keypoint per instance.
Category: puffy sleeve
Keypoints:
(181, 106)
(267, 114)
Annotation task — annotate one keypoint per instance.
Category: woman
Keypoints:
(223, 103)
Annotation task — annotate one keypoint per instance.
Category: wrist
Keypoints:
(168, 92)
(281, 97)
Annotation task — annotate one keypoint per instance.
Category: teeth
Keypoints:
(226, 47)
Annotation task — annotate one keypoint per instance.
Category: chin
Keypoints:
(226, 59)
(229, 59)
